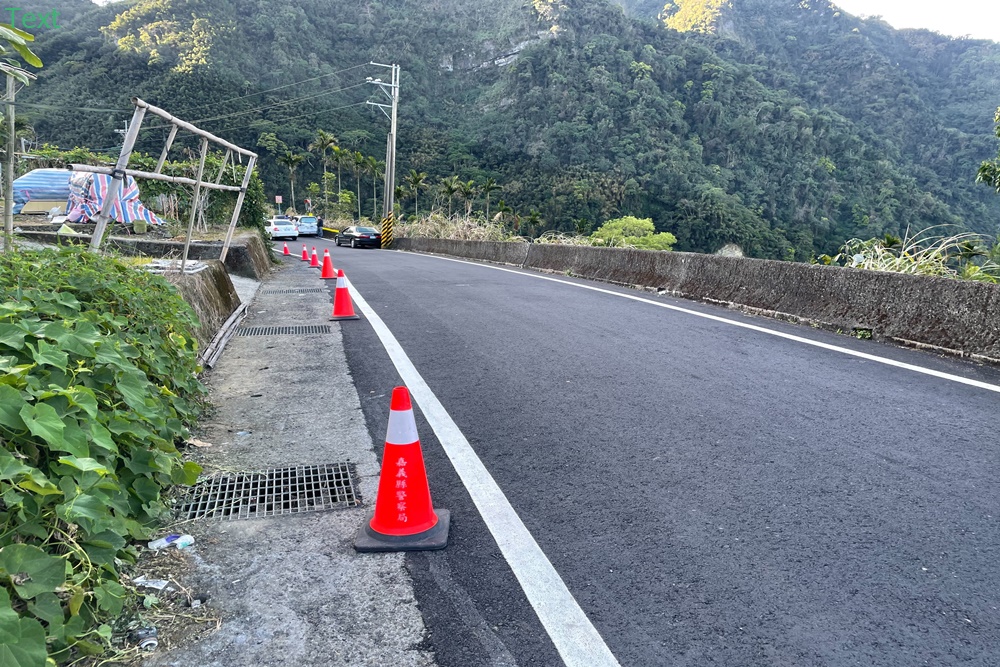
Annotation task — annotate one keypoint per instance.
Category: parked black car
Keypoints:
(360, 237)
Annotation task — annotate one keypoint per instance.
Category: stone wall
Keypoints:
(955, 315)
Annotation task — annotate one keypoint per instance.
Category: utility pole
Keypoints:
(391, 91)
(8, 171)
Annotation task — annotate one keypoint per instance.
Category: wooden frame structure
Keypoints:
(120, 170)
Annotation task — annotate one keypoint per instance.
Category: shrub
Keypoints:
(632, 232)
(98, 382)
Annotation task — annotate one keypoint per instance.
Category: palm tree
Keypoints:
(374, 169)
(359, 166)
(416, 181)
(503, 210)
(486, 188)
(468, 192)
(340, 159)
(292, 161)
(323, 142)
(449, 186)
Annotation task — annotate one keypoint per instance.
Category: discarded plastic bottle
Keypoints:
(183, 542)
(164, 542)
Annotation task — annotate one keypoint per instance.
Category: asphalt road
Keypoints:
(710, 495)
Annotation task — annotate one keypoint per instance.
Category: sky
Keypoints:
(975, 18)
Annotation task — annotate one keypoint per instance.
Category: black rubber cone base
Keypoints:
(344, 317)
(368, 540)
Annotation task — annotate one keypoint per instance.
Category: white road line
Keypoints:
(575, 638)
(771, 332)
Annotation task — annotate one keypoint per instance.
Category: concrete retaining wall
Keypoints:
(212, 296)
(247, 256)
(955, 315)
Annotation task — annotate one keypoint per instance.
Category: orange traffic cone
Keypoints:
(305, 253)
(343, 308)
(314, 262)
(404, 518)
(284, 250)
(328, 270)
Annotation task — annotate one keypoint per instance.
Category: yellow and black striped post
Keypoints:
(387, 225)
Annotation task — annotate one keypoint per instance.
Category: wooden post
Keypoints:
(8, 172)
(194, 201)
(239, 207)
(117, 176)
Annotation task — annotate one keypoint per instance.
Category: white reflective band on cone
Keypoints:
(340, 282)
(402, 428)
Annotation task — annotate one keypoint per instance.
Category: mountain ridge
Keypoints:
(773, 135)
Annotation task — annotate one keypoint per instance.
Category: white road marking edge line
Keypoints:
(752, 327)
(576, 639)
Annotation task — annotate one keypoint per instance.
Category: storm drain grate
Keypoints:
(273, 492)
(311, 290)
(285, 331)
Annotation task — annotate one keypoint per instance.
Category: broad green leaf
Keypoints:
(86, 510)
(12, 336)
(133, 388)
(10, 467)
(10, 626)
(33, 529)
(73, 441)
(85, 464)
(146, 489)
(11, 403)
(48, 354)
(48, 607)
(84, 398)
(38, 483)
(186, 474)
(103, 547)
(110, 596)
(43, 422)
(31, 570)
(101, 438)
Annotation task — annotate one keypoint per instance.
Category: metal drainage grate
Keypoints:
(285, 331)
(311, 290)
(273, 492)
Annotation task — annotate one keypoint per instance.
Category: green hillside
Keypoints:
(785, 126)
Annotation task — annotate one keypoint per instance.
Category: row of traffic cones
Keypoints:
(404, 518)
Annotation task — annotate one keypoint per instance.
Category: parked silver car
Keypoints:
(308, 225)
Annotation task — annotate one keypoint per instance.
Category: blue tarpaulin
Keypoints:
(48, 185)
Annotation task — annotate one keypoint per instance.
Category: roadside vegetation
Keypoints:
(98, 386)
(963, 256)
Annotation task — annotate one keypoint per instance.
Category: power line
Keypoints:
(283, 120)
(294, 100)
(263, 92)
(61, 108)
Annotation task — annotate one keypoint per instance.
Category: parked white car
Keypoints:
(282, 229)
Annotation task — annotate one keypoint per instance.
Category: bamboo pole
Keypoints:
(194, 201)
(117, 176)
(8, 172)
(156, 111)
(239, 207)
(155, 177)
(166, 149)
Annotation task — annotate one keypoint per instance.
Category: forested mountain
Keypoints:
(785, 126)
